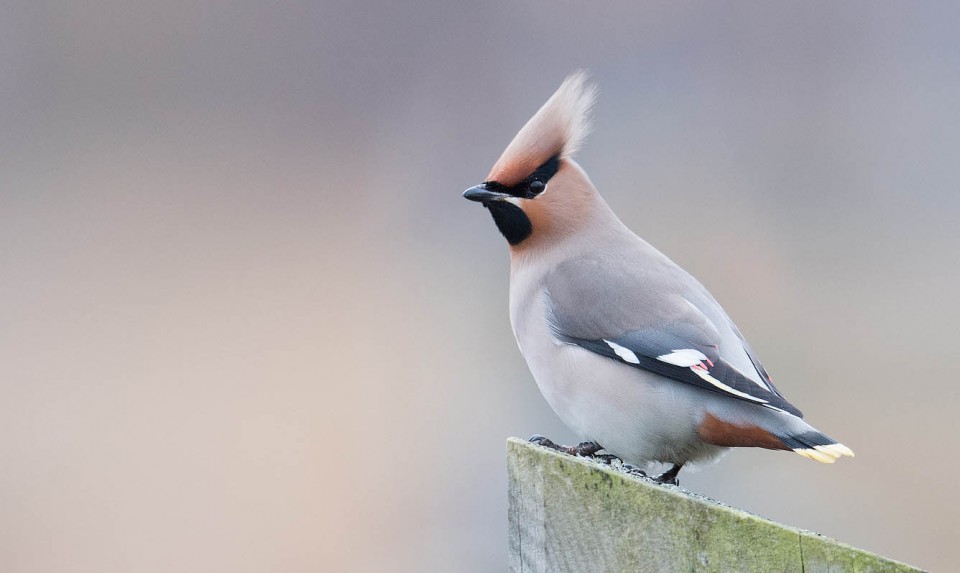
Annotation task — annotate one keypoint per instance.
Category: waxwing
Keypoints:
(629, 350)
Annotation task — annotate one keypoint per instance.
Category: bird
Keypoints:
(631, 351)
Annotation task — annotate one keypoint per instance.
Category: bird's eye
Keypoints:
(536, 187)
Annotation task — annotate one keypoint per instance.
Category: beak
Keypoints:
(482, 194)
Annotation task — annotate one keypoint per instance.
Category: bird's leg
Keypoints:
(583, 449)
(669, 476)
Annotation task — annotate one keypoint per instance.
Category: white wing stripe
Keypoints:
(683, 357)
(686, 357)
(706, 376)
(625, 353)
(736, 335)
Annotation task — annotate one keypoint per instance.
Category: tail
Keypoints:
(734, 424)
(816, 446)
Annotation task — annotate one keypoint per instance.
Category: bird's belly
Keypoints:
(633, 413)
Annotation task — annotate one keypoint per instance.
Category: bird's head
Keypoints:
(536, 192)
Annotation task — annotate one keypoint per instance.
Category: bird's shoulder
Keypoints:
(607, 291)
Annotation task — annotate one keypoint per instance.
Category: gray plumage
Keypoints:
(643, 302)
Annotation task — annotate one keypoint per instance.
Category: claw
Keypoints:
(634, 470)
(587, 449)
(606, 458)
(545, 442)
(669, 476)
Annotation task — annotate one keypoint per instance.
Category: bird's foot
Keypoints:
(583, 449)
(669, 476)
(607, 458)
(633, 470)
(544, 441)
(591, 449)
(587, 449)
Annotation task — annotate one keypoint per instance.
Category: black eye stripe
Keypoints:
(526, 189)
(545, 171)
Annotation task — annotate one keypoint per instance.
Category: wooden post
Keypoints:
(572, 514)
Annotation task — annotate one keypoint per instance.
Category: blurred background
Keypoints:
(247, 323)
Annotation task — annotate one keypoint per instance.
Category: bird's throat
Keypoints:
(512, 222)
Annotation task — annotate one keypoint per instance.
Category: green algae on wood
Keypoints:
(570, 514)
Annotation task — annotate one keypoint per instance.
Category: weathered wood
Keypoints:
(571, 514)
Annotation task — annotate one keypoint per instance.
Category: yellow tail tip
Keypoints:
(836, 450)
(844, 450)
(814, 454)
(825, 454)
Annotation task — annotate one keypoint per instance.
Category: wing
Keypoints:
(755, 361)
(639, 316)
